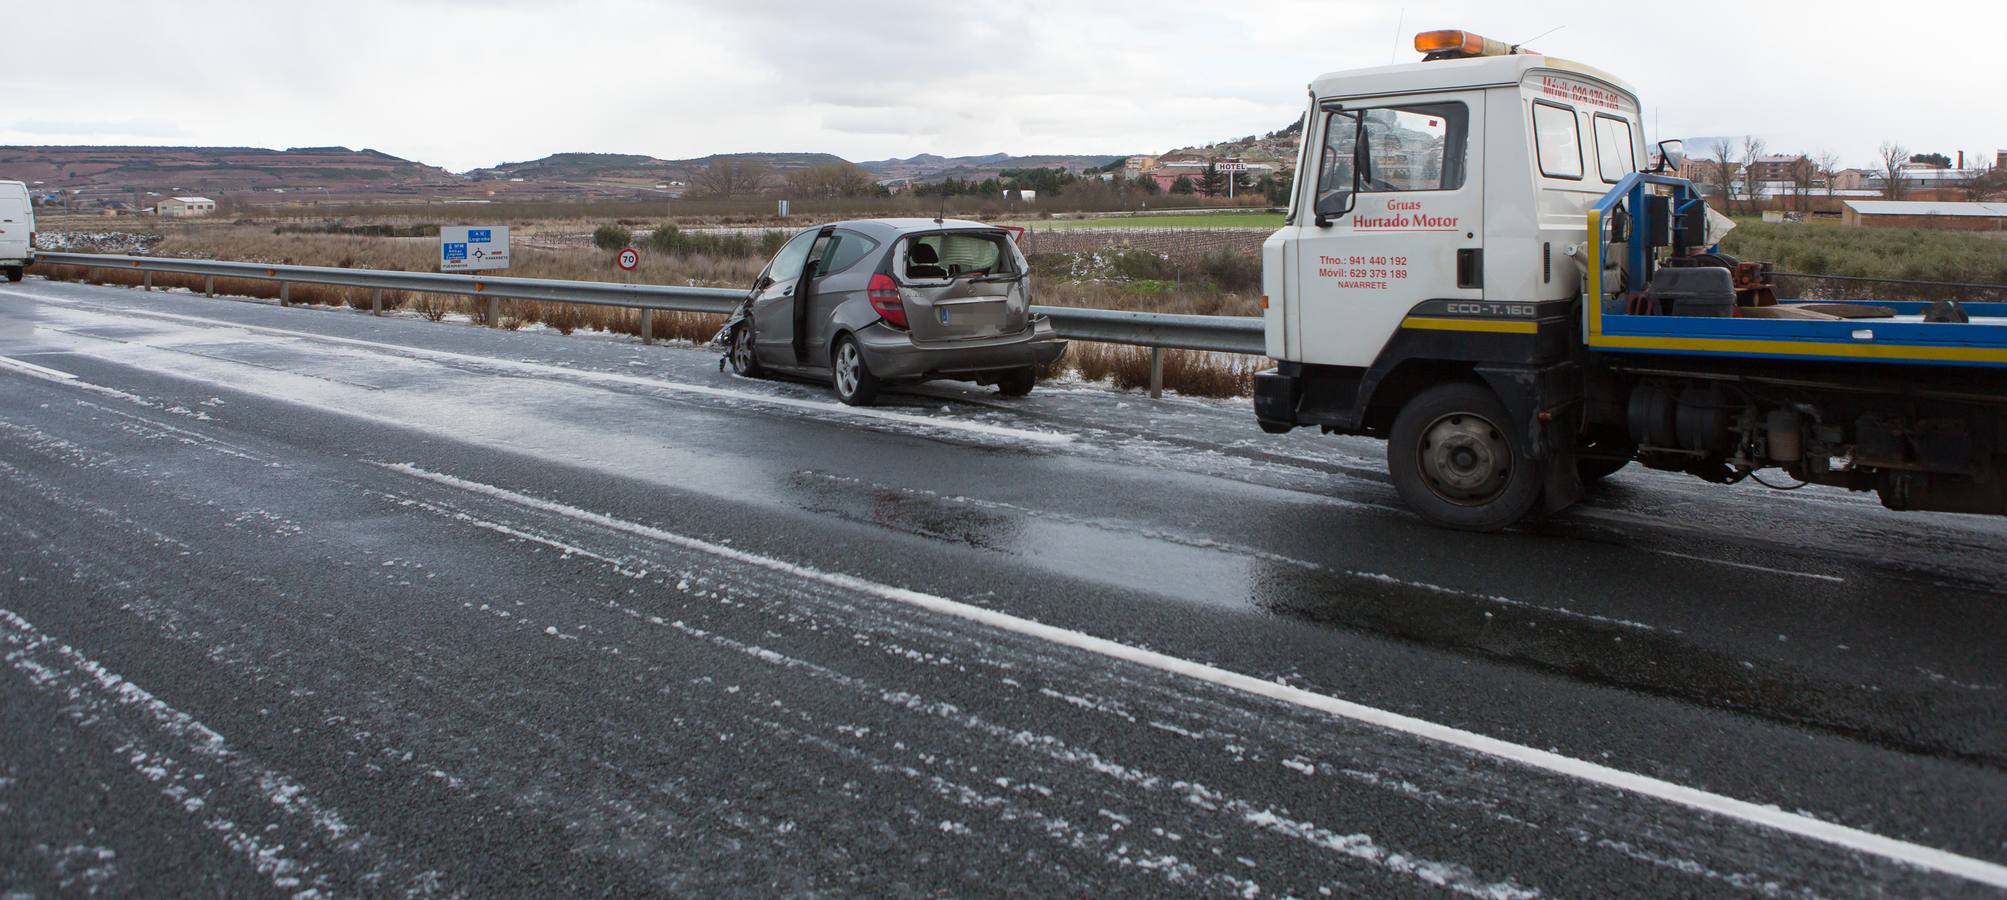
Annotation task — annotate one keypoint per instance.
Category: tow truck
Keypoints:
(1483, 266)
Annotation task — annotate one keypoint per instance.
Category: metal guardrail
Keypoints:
(1156, 331)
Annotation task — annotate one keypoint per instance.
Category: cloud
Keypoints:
(155, 128)
(465, 84)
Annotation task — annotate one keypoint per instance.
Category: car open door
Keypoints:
(773, 303)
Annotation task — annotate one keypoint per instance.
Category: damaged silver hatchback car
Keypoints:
(872, 302)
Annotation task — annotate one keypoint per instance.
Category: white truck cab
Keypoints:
(17, 229)
(1475, 268)
(1425, 248)
(1436, 195)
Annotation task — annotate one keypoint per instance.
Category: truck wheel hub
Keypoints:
(1465, 459)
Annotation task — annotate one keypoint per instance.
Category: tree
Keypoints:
(1986, 183)
(1752, 150)
(1211, 182)
(832, 180)
(1183, 185)
(1723, 173)
(1827, 163)
(1932, 159)
(1803, 173)
(1894, 161)
(1148, 184)
(731, 176)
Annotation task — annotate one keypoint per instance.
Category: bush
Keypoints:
(674, 241)
(1230, 271)
(611, 237)
(1137, 265)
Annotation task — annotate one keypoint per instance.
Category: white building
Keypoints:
(187, 206)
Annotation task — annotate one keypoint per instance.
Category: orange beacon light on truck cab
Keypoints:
(1458, 44)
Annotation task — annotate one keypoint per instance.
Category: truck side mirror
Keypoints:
(1332, 205)
(1672, 155)
(1338, 201)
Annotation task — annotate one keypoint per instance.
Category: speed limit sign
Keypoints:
(628, 259)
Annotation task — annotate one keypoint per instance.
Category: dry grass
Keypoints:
(1193, 373)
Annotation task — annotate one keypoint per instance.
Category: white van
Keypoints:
(17, 229)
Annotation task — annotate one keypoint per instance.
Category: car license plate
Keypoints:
(944, 314)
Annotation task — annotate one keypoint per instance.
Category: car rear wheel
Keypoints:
(1017, 382)
(743, 361)
(1454, 457)
(852, 377)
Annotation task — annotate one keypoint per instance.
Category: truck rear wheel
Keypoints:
(1454, 457)
(13, 273)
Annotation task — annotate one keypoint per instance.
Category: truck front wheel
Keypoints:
(1454, 457)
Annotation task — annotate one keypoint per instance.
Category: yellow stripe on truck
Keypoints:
(1494, 326)
(1822, 349)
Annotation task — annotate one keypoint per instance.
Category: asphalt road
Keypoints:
(310, 601)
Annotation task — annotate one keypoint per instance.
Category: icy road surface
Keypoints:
(309, 601)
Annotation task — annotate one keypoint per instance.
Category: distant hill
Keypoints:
(338, 175)
(1276, 147)
(121, 171)
(929, 167)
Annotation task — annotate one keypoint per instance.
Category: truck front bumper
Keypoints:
(1275, 395)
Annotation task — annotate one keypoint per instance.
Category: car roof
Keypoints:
(898, 227)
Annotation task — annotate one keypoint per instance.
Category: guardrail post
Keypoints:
(494, 312)
(376, 301)
(285, 293)
(648, 326)
(146, 279)
(208, 285)
(1156, 373)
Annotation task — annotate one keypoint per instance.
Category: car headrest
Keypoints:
(922, 254)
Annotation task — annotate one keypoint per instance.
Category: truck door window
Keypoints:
(1558, 140)
(1413, 148)
(1616, 155)
(1394, 148)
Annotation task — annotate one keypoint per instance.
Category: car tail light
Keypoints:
(31, 239)
(885, 299)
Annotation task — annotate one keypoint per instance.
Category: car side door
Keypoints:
(840, 275)
(773, 303)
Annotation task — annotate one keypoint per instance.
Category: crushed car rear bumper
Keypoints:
(892, 354)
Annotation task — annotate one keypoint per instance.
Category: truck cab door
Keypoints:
(1392, 219)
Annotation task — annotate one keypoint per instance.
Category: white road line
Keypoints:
(1023, 434)
(1905, 852)
(1793, 573)
(32, 369)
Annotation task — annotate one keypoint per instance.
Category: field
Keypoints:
(1881, 253)
(1266, 220)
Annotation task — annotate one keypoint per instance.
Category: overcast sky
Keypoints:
(468, 83)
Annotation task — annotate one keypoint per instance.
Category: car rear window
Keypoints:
(959, 254)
